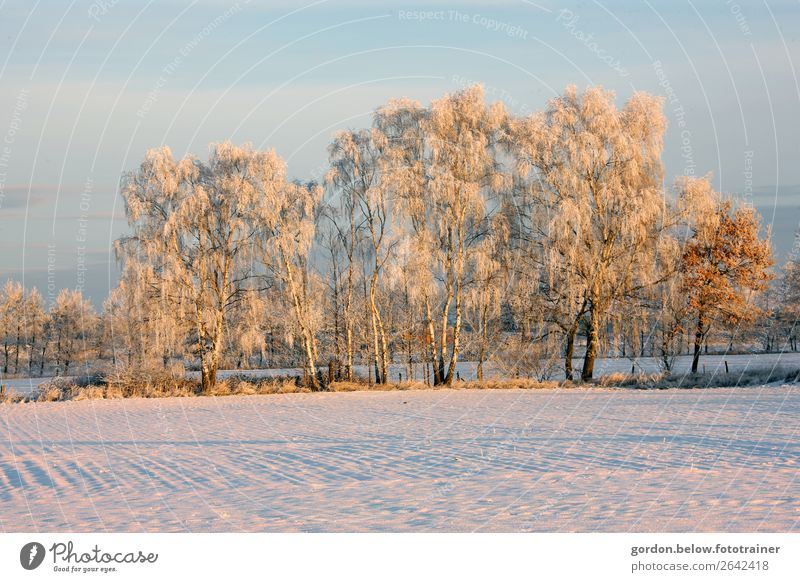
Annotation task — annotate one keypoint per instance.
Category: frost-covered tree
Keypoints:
(12, 303)
(545, 292)
(337, 312)
(462, 133)
(124, 319)
(35, 325)
(357, 166)
(286, 225)
(783, 303)
(341, 237)
(143, 324)
(430, 233)
(409, 284)
(596, 171)
(443, 171)
(196, 224)
(248, 326)
(405, 173)
(72, 324)
(668, 304)
(488, 274)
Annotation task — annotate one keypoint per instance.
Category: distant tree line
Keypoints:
(440, 233)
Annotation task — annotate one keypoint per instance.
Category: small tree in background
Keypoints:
(35, 322)
(11, 318)
(73, 321)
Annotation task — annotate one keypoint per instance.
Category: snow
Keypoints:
(24, 385)
(437, 460)
(712, 364)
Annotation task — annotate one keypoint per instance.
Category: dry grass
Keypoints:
(508, 384)
(492, 384)
(621, 379)
(234, 386)
(9, 396)
(112, 385)
(363, 386)
(148, 383)
(89, 393)
(167, 387)
(615, 379)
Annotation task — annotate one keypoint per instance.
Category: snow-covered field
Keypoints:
(710, 364)
(438, 460)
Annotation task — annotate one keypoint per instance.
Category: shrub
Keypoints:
(614, 379)
(754, 377)
(49, 394)
(10, 396)
(89, 393)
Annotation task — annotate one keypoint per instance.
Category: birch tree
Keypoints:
(597, 172)
(144, 323)
(196, 225)
(405, 171)
(787, 301)
(35, 325)
(286, 227)
(669, 304)
(248, 327)
(546, 290)
(356, 169)
(488, 277)
(443, 169)
(11, 321)
(409, 282)
(73, 321)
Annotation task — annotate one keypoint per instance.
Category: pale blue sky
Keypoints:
(86, 87)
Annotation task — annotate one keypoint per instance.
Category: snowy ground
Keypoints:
(710, 364)
(443, 460)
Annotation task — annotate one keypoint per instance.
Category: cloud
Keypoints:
(118, 216)
(20, 196)
(781, 195)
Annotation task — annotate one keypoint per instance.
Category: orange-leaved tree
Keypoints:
(724, 261)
